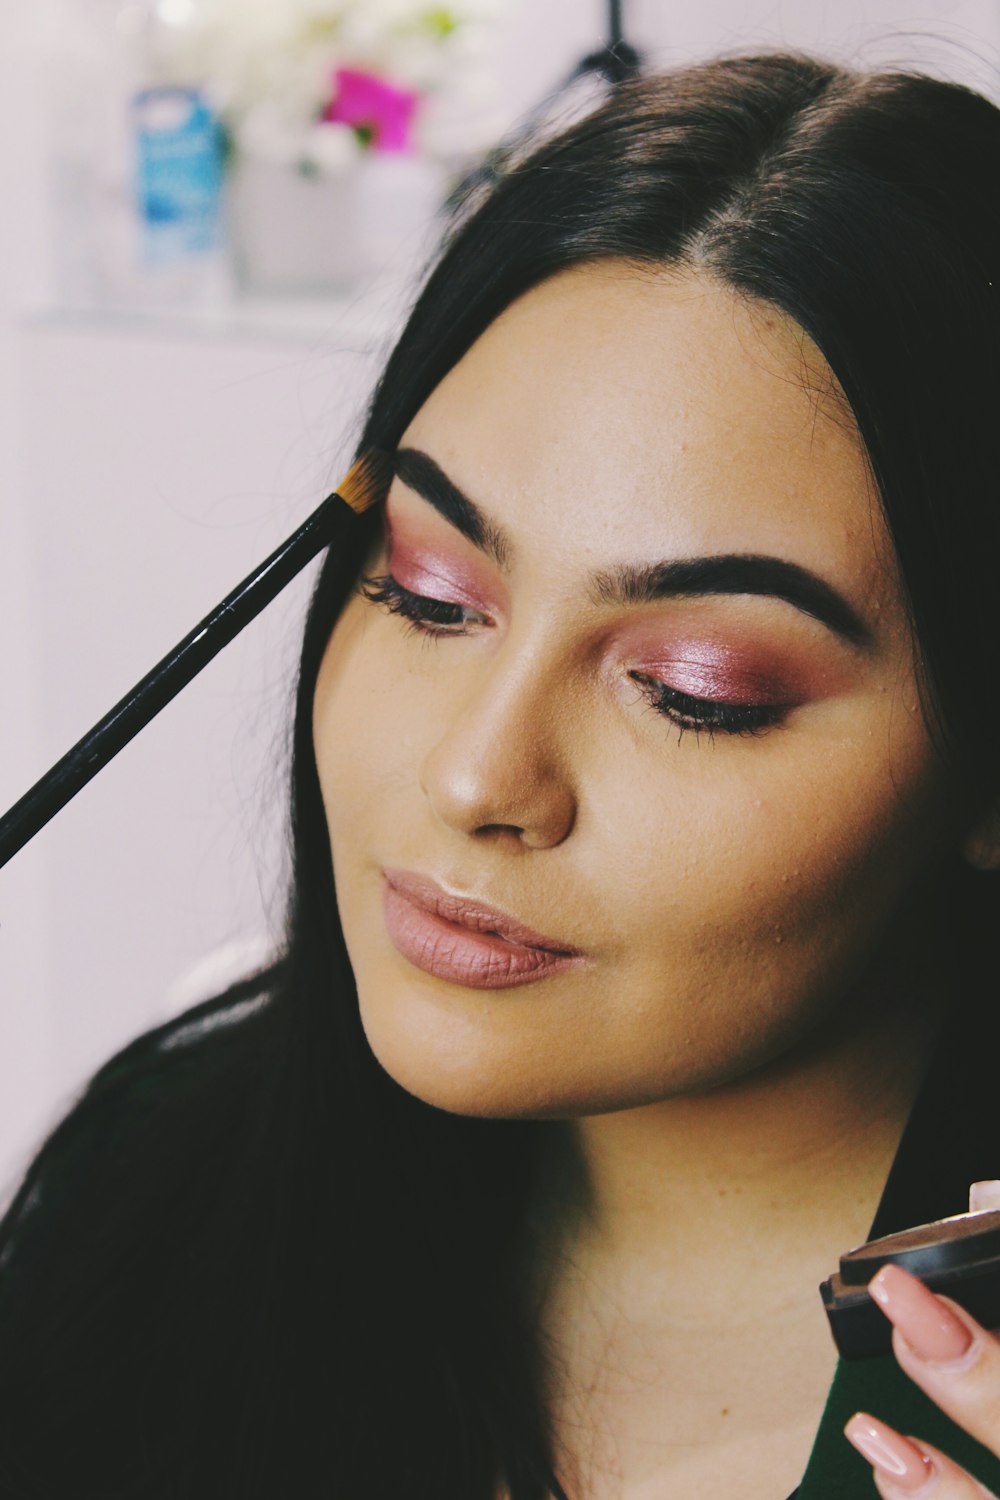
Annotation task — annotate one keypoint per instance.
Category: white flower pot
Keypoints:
(328, 233)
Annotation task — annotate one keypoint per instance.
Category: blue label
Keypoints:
(179, 173)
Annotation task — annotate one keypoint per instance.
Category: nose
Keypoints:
(499, 767)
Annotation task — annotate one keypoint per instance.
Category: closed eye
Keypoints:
(440, 617)
(429, 616)
(709, 715)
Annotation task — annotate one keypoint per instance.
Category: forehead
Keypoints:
(648, 413)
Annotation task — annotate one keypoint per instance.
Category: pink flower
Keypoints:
(380, 113)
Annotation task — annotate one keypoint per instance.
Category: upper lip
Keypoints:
(470, 912)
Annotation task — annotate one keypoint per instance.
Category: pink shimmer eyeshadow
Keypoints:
(741, 671)
(424, 567)
(709, 655)
(709, 671)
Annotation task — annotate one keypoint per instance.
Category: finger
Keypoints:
(942, 1348)
(905, 1467)
(984, 1195)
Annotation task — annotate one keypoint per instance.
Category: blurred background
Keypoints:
(214, 212)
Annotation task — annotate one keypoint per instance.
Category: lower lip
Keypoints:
(449, 951)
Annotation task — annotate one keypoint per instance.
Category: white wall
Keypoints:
(957, 39)
(27, 1012)
(144, 469)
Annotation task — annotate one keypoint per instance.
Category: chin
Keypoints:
(512, 1054)
(462, 1078)
(465, 1051)
(457, 1065)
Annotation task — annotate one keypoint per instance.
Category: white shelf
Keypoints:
(363, 319)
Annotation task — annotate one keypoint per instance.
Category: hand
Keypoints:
(955, 1362)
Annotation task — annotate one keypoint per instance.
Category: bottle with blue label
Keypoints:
(178, 175)
(177, 160)
(135, 159)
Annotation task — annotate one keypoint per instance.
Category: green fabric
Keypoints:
(836, 1470)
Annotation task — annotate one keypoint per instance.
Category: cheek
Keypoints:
(344, 719)
(774, 871)
(741, 911)
(365, 714)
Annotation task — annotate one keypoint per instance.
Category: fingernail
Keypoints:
(929, 1327)
(893, 1456)
(984, 1195)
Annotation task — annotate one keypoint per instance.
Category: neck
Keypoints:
(710, 1206)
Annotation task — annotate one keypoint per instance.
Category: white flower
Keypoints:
(331, 147)
(268, 65)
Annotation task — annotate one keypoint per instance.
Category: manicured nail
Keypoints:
(893, 1456)
(984, 1195)
(929, 1327)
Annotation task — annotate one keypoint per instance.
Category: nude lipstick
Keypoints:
(465, 941)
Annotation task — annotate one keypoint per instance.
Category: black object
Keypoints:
(615, 62)
(617, 59)
(959, 1256)
(365, 482)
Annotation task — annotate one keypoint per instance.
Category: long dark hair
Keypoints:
(249, 1264)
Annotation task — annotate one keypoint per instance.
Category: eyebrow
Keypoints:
(627, 583)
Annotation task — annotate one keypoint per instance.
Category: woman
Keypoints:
(644, 810)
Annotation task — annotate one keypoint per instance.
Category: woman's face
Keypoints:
(718, 787)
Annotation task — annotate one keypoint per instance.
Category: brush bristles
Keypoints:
(367, 481)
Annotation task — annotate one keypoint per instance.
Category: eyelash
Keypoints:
(421, 614)
(700, 715)
(707, 715)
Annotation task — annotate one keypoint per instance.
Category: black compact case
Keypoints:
(959, 1257)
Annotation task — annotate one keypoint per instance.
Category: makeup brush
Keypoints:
(366, 483)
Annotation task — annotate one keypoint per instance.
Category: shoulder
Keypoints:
(138, 1107)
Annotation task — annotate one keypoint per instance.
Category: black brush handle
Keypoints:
(166, 679)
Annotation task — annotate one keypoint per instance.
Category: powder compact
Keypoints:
(959, 1257)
